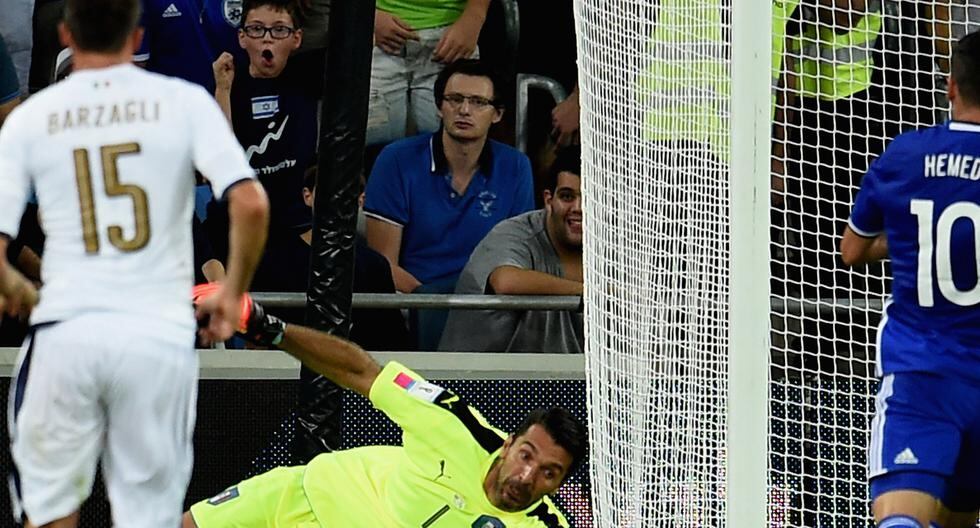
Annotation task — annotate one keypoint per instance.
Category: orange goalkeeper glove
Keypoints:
(254, 324)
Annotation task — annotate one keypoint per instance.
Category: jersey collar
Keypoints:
(437, 154)
(964, 126)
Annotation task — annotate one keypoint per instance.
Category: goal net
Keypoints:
(661, 182)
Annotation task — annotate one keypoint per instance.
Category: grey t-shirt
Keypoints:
(522, 242)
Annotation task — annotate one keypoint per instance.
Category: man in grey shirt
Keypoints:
(536, 253)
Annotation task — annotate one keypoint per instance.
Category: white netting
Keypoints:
(654, 93)
(828, 126)
(654, 83)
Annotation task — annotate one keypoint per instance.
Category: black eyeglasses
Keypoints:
(258, 31)
(476, 101)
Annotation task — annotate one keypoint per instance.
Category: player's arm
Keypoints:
(511, 280)
(864, 239)
(340, 360)
(248, 215)
(17, 295)
(220, 159)
(856, 249)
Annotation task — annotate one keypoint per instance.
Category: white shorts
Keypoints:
(107, 385)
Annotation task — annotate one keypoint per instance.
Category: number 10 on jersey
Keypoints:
(113, 187)
(939, 251)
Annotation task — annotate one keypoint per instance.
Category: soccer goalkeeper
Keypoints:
(453, 469)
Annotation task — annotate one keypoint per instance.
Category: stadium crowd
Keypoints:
(440, 174)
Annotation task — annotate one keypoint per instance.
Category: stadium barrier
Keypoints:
(246, 396)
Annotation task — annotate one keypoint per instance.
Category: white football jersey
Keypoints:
(110, 155)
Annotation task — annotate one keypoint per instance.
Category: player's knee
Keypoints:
(900, 521)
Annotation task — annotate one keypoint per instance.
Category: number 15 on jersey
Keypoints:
(113, 187)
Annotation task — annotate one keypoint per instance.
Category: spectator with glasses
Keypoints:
(431, 198)
(273, 111)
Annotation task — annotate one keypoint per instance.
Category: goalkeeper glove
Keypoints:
(254, 324)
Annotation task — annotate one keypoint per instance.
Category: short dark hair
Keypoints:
(568, 159)
(292, 7)
(565, 429)
(309, 178)
(101, 26)
(966, 67)
(471, 67)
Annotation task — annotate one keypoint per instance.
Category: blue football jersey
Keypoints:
(924, 194)
(183, 37)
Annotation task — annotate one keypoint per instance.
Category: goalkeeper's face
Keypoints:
(564, 207)
(530, 466)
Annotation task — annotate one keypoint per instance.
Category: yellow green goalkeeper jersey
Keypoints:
(435, 480)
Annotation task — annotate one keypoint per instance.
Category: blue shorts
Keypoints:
(925, 436)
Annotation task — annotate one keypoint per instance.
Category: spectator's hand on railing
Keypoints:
(459, 40)
(404, 281)
(391, 32)
(224, 71)
(565, 121)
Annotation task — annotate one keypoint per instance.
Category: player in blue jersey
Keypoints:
(919, 204)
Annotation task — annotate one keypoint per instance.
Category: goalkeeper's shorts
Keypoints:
(274, 498)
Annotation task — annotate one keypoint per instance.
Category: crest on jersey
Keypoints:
(487, 199)
(420, 389)
(486, 521)
(232, 11)
(224, 496)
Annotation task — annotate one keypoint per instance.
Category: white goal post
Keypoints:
(729, 357)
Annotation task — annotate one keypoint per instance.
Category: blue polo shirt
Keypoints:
(183, 37)
(411, 186)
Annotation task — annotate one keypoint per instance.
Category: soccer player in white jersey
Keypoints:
(919, 203)
(109, 372)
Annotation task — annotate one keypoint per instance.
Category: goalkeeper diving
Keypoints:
(453, 469)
